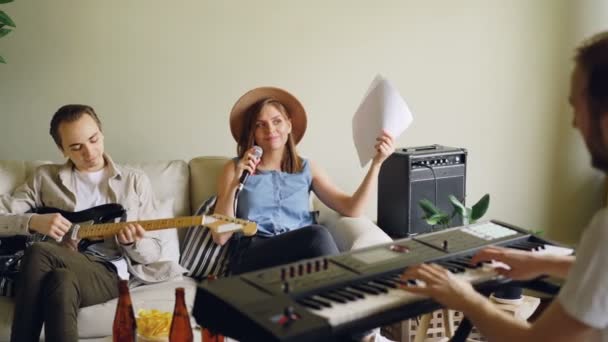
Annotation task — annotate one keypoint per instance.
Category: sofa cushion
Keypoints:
(201, 256)
(170, 180)
(204, 175)
(14, 173)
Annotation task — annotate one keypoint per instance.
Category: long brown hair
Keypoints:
(291, 162)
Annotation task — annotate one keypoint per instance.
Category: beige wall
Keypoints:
(490, 76)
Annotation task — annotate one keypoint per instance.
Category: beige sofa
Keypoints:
(186, 185)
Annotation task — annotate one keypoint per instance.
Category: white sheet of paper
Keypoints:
(382, 108)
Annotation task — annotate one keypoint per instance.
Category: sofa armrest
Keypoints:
(350, 232)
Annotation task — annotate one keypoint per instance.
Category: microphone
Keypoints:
(257, 153)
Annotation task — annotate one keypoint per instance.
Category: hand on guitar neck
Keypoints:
(98, 222)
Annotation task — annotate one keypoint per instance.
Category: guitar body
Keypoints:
(11, 244)
(100, 214)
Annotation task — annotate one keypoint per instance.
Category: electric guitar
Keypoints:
(92, 224)
(98, 222)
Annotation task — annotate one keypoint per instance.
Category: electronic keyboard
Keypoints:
(323, 299)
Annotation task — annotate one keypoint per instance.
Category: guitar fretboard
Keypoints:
(107, 229)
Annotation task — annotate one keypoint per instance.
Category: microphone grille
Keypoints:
(257, 152)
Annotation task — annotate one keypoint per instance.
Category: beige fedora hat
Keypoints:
(295, 110)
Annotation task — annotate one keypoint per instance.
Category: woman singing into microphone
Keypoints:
(276, 193)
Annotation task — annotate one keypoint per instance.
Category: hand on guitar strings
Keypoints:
(52, 225)
(131, 233)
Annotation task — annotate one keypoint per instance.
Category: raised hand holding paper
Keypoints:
(382, 108)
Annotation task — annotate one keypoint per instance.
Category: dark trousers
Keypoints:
(304, 243)
(54, 283)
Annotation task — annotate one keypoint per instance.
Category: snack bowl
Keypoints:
(153, 319)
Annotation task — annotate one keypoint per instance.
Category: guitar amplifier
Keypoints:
(414, 173)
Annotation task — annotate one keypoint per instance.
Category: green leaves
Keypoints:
(459, 207)
(480, 208)
(441, 219)
(4, 32)
(429, 208)
(6, 20)
(434, 216)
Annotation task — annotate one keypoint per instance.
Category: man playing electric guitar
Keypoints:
(56, 279)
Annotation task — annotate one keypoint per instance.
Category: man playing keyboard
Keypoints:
(580, 312)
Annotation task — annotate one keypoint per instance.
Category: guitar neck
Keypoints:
(109, 229)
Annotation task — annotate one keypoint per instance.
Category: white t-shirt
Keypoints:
(92, 189)
(584, 296)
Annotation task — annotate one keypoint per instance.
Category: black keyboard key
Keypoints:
(344, 294)
(309, 304)
(454, 268)
(385, 282)
(366, 289)
(449, 267)
(524, 245)
(533, 246)
(332, 297)
(378, 287)
(354, 292)
(320, 301)
(461, 263)
(395, 282)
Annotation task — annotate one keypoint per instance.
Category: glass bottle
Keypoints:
(124, 328)
(180, 331)
(208, 336)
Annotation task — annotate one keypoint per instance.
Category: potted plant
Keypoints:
(5, 23)
(435, 216)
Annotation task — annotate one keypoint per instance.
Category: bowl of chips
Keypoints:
(153, 320)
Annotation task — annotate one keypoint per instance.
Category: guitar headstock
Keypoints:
(249, 228)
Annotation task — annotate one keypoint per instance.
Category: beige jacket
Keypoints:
(52, 185)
